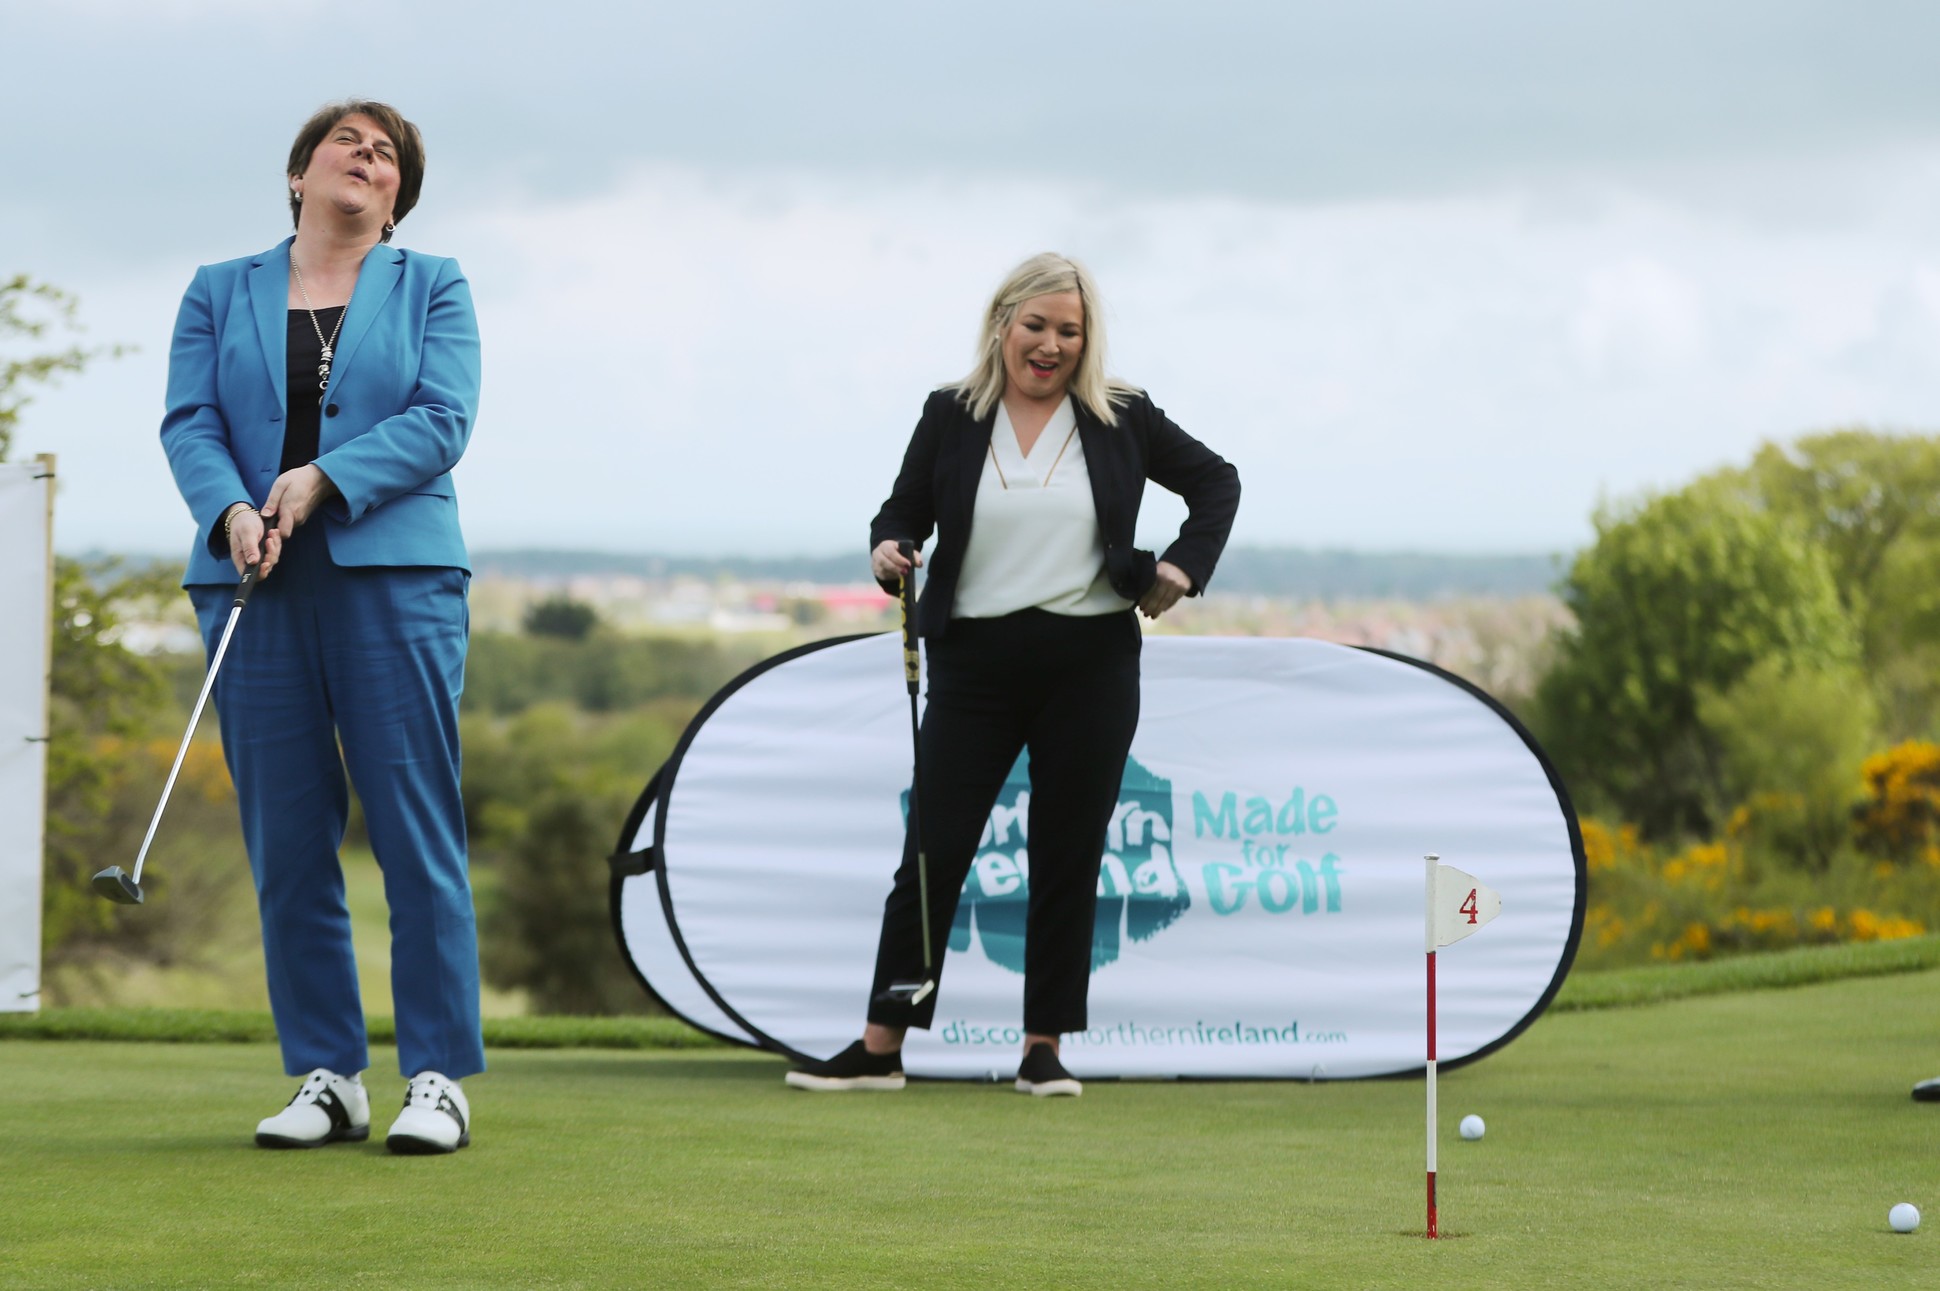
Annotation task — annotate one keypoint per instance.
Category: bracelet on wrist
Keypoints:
(229, 516)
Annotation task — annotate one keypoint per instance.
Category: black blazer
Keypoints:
(937, 490)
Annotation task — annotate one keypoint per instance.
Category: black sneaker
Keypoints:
(854, 1068)
(1043, 1076)
(1927, 1091)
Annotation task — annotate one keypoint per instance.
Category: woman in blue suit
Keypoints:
(318, 396)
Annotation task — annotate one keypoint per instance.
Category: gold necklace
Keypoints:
(1027, 457)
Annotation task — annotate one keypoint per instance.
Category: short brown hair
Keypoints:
(409, 143)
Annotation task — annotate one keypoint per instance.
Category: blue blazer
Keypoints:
(397, 414)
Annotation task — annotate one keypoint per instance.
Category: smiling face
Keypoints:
(1042, 345)
(352, 171)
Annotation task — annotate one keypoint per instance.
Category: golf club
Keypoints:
(914, 992)
(114, 883)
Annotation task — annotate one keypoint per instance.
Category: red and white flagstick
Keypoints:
(1434, 870)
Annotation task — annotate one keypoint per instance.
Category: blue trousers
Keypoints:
(373, 658)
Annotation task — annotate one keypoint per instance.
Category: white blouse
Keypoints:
(1034, 536)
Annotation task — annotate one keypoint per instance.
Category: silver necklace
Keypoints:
(329, 346)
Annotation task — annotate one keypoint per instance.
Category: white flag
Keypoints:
(1461, 905)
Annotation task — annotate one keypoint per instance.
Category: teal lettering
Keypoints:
(1291, 815)
(1330, 875)
(1155, 877)
(1309, 891)
(1259, 816)
(1272, 901)
(1224, 823)
(1320, 816)
(1217, 874)
(1112, 880)
(997, 874)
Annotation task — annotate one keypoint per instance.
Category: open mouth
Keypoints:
(1041, 368)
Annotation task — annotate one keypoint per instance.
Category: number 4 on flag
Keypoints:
(1461, 904)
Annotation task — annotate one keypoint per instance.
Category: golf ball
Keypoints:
(1904, 1217)
(1472, 1128)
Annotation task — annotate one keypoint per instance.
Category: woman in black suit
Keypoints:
(1031, 470)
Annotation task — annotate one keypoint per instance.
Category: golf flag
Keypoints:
(1457, 906)
(1461, 905)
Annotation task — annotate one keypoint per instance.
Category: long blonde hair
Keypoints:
(1043, 275)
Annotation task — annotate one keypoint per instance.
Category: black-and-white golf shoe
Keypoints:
(436, 1117)
(327, 1108)
(1042, 1075)
(1927, 1091)
(854, 1068)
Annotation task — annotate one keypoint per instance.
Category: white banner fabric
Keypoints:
(24, 491)
(1260, 896)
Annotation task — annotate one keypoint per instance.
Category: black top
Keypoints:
(937, 489)
(304, 421)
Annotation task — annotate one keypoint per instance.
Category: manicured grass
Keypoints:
(1734, 1140)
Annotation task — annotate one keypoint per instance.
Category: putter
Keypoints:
(114, 883)
(914, 992)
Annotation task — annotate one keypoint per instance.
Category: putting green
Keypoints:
(1744, 1140)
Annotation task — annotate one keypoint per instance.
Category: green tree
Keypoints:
(29, 311)
(1856, 494)
(1679, 595)
(1871, 502)
(562, 617)
(102, 697)
(1794, 741)
(545, 796)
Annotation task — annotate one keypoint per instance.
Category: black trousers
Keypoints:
(1066, 688)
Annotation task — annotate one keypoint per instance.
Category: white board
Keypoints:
(26, 490)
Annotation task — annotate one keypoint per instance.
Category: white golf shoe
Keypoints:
(327, 1108)
(436, 1117)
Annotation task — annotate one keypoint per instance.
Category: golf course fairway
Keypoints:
(1748, 1139)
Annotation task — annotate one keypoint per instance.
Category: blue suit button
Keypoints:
(331, 411)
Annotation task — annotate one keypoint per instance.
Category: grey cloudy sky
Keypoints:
(1434, 275)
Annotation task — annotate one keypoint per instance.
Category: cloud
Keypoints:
(695, 363)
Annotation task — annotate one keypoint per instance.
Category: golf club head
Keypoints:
(114, 884)
(905, 992)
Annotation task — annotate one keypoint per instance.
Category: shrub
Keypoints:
(545, 796)
(1899, 818)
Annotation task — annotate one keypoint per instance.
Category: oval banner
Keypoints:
(1261, 906)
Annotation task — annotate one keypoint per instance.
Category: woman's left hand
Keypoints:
(295, 497)
(1164, 593)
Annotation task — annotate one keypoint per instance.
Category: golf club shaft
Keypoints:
(208, 684)
(913, 679)
(916, 824)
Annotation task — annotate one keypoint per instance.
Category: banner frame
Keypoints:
(659, 791)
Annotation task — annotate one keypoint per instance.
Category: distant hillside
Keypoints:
(1384, 575)
(1248, 571)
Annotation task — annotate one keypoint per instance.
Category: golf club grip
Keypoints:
(912, 662)
(248, 584)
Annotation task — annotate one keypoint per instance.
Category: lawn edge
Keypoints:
(1768, 971)
(1582, 992)
(219, 1026)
